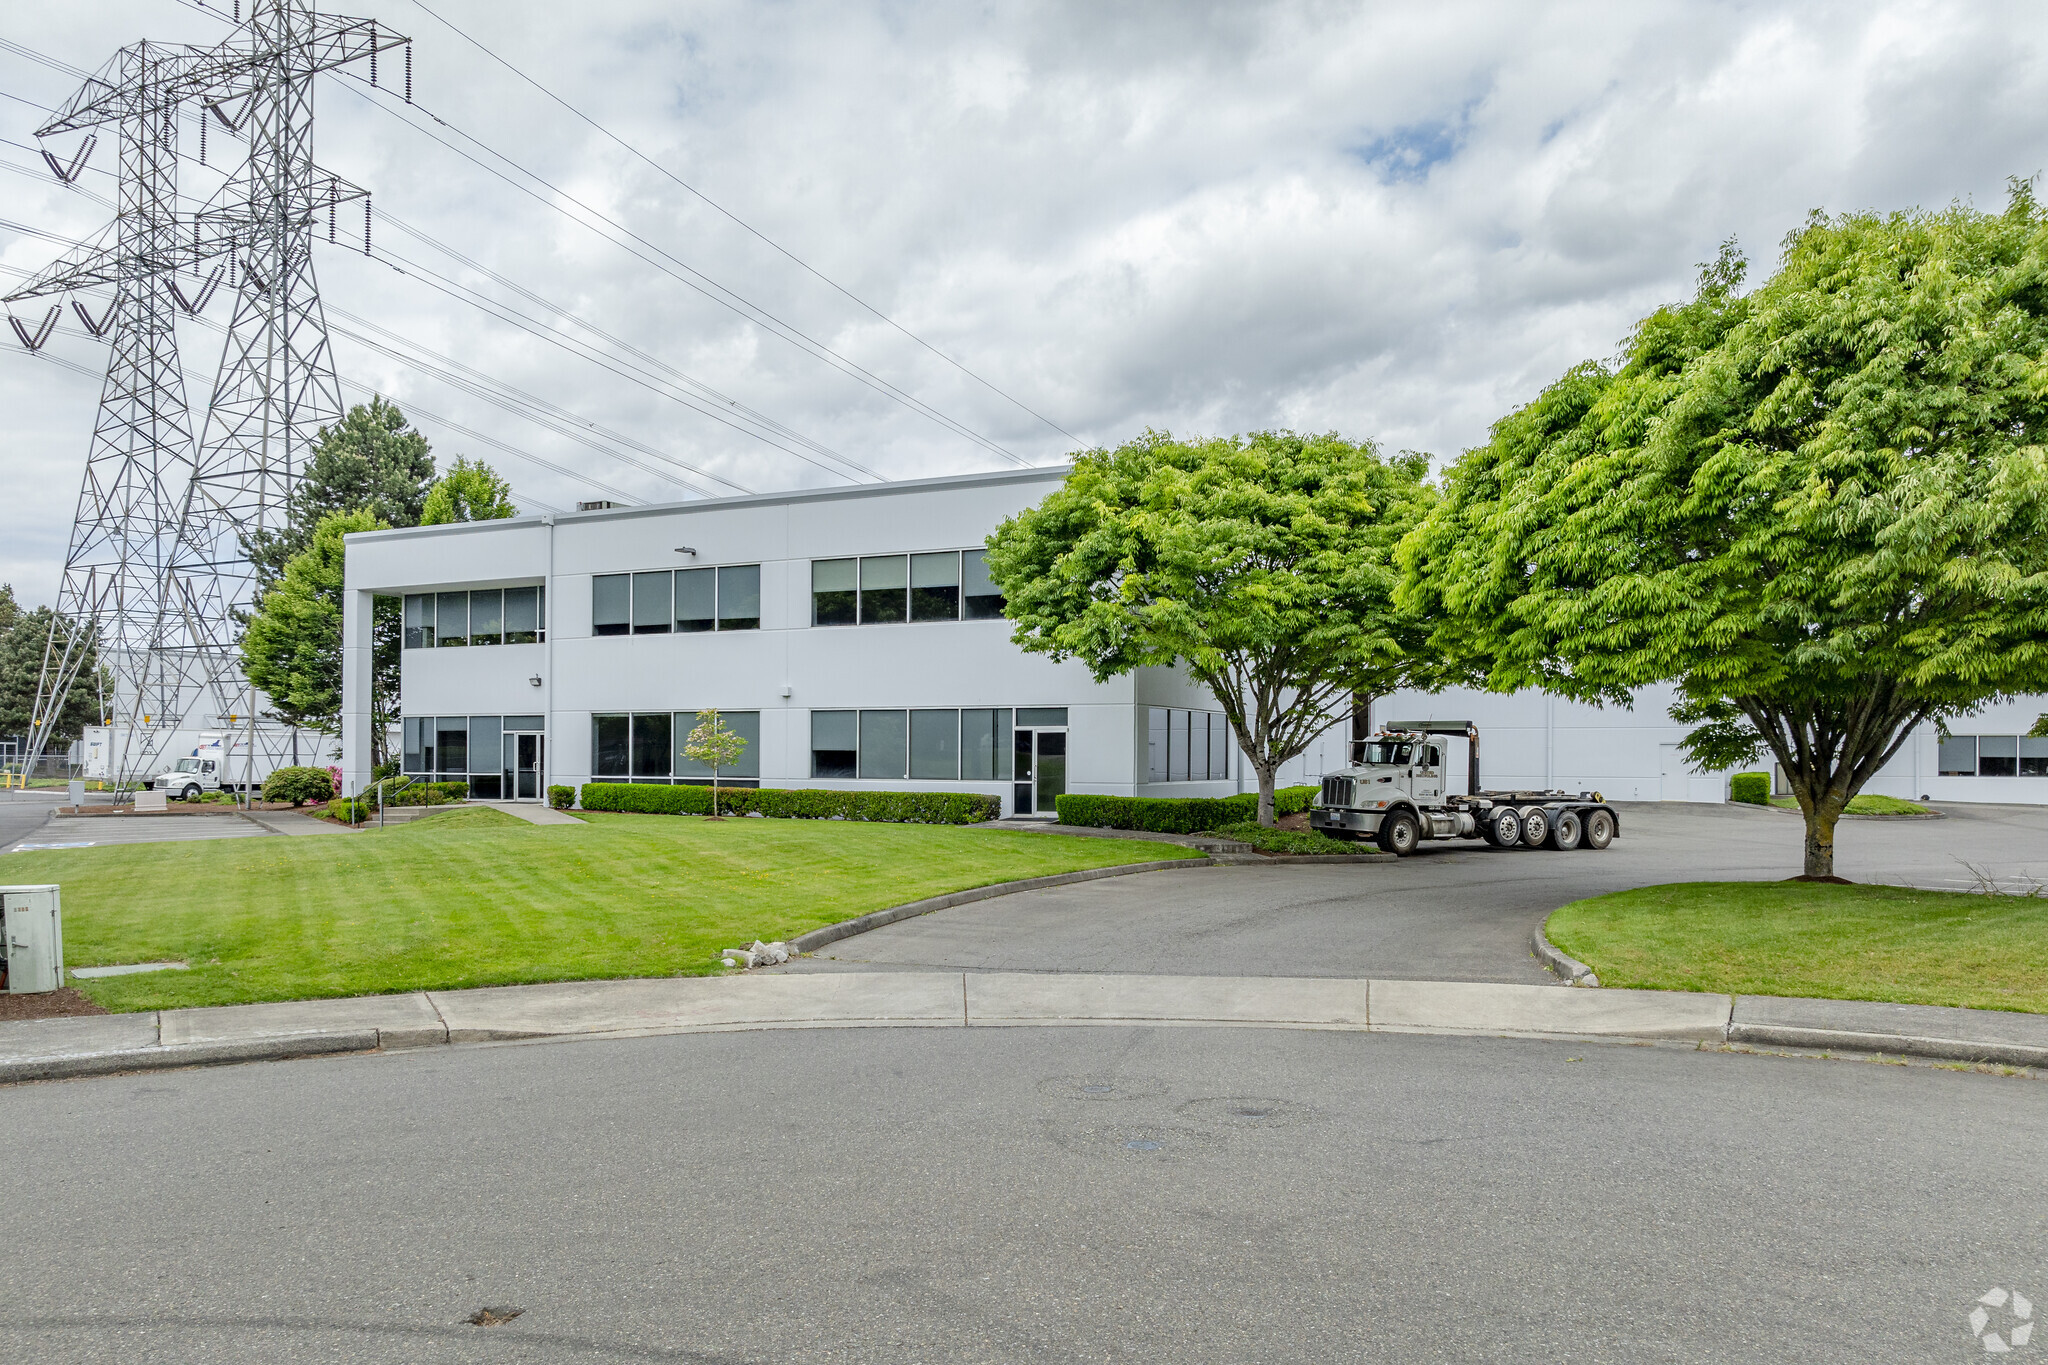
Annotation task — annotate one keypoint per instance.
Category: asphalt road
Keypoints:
(1456, 911)
(23, 812)
(1186, 1195)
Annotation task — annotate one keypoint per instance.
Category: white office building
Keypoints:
(852, 636)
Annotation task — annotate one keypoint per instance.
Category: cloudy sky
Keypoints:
(1393, 221)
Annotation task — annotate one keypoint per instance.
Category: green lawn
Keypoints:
(474, 897)
(1809, 939)
(1865, 803)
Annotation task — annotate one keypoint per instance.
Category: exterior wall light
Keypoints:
(686, 550)
(535, 680)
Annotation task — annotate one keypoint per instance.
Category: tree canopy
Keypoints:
(23, 638)
(1818, 507)
(1262, 563)
(470, 491)
(369, 459)
(292, 648)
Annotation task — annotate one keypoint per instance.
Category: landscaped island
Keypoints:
(476, 898)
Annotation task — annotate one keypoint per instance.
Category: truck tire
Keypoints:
(1566, 831)
(1399, 834)
(191, 792)
(1599, 828)
(1535, 827)
(1502, 827)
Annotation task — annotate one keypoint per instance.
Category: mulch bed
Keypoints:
(63, 1003)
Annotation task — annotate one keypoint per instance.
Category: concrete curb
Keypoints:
(1574, 972)
(187, 1054)
(832, 933)
(1904, 1045)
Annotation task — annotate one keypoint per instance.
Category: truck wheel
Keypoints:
(191, 793)
(1535, 827)
(1399, 834)
(1566, 831)
(1503, 828)
(1599, 828)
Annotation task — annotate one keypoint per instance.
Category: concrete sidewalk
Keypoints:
(47, 1049)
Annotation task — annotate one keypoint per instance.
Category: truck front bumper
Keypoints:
(1345, 821)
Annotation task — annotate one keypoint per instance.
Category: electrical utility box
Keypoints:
(31, 938)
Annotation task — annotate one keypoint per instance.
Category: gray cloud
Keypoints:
(1394, 221)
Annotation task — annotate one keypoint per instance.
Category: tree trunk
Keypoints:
(1820, 839)
(1266, 772)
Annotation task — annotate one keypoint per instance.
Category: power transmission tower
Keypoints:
(276, 387)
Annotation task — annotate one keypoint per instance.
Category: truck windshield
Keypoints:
(1384, 752)
(188, 765)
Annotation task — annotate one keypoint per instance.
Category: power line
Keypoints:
(741, 222)
(708, 287)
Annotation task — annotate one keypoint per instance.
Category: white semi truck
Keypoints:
(1394, 793)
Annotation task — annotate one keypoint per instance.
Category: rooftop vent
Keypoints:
(597, 506)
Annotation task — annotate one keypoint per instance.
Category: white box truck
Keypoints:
(218, 763)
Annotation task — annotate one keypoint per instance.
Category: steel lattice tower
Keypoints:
(158, 571)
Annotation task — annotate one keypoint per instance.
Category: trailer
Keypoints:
(1394, 793)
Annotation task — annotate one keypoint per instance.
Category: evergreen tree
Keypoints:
(470, 491)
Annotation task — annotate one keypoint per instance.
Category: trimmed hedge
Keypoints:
(422, 794)
(298, 785)
(1177, 814)
(805, 803)
(561, 797)
(1753, 788)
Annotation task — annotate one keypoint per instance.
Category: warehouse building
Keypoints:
(853, 637)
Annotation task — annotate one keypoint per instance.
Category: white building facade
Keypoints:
(852, 637)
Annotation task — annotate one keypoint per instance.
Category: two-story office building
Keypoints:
(853, 637)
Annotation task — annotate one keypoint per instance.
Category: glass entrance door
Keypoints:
(528, 753)
(1039, 769)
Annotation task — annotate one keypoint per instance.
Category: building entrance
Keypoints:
(528, 752)
(1040, 769)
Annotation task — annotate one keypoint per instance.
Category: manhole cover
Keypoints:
(493, 1317)
(1246, 1111)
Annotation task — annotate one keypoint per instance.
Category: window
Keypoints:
(884, 590)
(1184, 746)
(611, 746)
(611, 604)
(884, 750)
(419, 620)
(525, 622)
(487, 617)
(739, 597)
(486, 750)
(1219, 746)
(696, 604)
(419, 744)
(1998, 756)
(835, 743)
(1155, 743)
(451, 623)
(1958, 756)
(935, 745)
(651, 603)
(745, 724)
(1042, 715)
(985, 745)
(834, 592)
(982, 599)
(935, 587)
(652, 754)
(451, 738)
(1177, 746)
(2033, 757)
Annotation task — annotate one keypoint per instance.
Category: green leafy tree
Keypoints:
(470, 491)
(24, 639)
(1261, 563)
(1820, 508)
(716, 747)
(292, 647)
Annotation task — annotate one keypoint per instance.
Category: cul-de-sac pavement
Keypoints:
(1102, 1193)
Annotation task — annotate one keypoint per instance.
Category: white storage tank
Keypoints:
(31, 938)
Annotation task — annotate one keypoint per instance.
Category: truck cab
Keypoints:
(188, 777)
(1394, 792)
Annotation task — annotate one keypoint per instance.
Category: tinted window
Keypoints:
(835, 743)
(451, 624)
(1998, 756)
(522, 616)
(884, 751)
(419, 621)
(611, 746)
(981, 599)
(651, 755)
(1155, 744)
(935, 744)
(696, 591)
(487, 617)
(452, 740)
(935, 587)
(739, 597)
(745, 724)
(884, 590)
(1959, 756)
(834, 592)
(417, 743)
(985, 745)
(611, 604)
(486, 734)
(651, 603)
(2033, 757)
(1042, 715)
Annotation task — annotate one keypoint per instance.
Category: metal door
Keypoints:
(1039, 759)
(1674, 778)
(522, 783)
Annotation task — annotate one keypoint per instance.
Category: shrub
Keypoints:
(561, 797)
(1753, 788)
(387, 769)
(1178, 814)
(1294, 800)
(351, 812)
(298, 785)
(1289, 840)
(921, 808)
